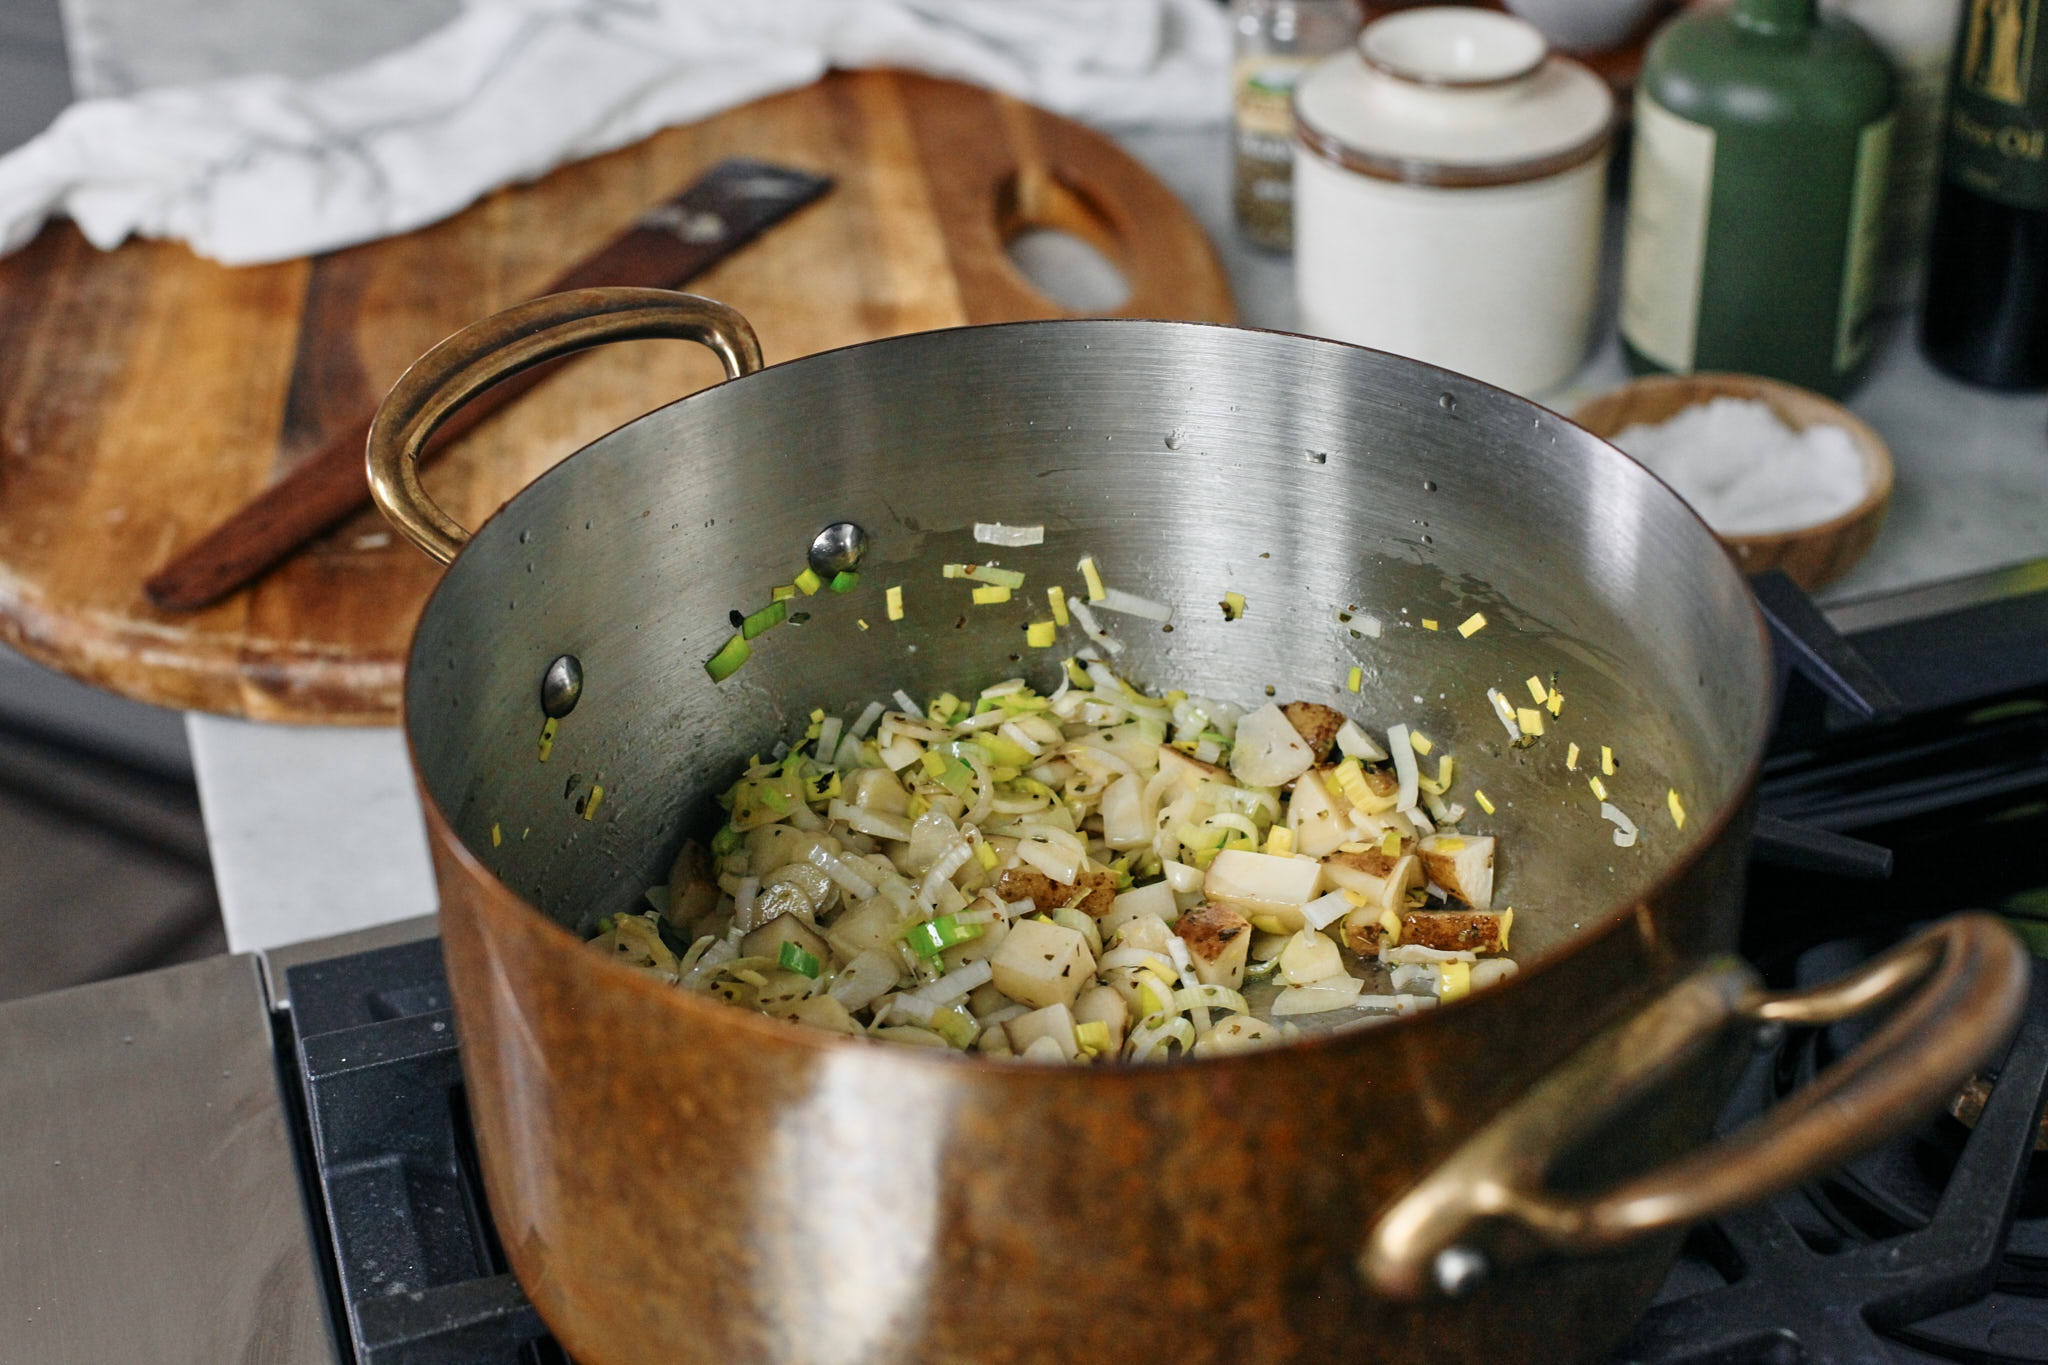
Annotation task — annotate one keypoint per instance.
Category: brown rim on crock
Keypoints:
(1448, 175)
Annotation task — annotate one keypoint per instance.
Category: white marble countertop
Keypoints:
(316, 832)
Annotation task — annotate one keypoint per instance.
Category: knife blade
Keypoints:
(676, 240)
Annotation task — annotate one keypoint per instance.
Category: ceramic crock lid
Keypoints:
(1453, 96)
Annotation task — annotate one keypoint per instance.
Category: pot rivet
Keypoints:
(1458, 1271)
(838, 549)
(561, 687)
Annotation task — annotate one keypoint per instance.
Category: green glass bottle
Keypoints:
(1756, 203)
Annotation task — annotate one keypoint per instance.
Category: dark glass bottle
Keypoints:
(1986, 318)
(1762, 145)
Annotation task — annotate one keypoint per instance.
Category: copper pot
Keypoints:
(675, 1179)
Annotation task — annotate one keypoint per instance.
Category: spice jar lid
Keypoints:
(1453, 96)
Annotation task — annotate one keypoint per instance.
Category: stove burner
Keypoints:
(1901, 1256)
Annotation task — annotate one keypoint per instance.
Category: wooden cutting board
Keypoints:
(146, 393)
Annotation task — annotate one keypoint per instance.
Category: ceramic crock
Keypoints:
(1450, 191)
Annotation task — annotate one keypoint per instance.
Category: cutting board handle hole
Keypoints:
(1062, 242)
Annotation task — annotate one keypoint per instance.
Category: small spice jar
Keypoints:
(1277, 43)
(1450, 191)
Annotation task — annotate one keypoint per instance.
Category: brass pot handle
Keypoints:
(1964, 981)
(499, 347)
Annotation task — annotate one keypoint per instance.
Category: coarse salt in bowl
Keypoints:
(1788, 479)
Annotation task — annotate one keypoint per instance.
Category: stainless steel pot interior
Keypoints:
(1190, 461)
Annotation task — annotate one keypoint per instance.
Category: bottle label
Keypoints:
(1265, 106)
(1864, 250)
(1664, 251)
(1997, 134)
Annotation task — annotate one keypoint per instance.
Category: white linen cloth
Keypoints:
(261, 168)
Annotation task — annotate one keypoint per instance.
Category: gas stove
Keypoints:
(1908, 778)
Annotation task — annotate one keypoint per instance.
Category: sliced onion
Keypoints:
(908, 704)
(1325, 911)
(1133, 957)
(920, 1003)
(877, 823)
(1092, 628)
(828, 738)
(868, 716)
(1009, 537)
(837, 868)
(1504, 711)
(1354, 742)
(1130, 604)
(1624, 828)
(1411, 953)
(1404, 767)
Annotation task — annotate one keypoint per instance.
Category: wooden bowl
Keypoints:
(1812, 555)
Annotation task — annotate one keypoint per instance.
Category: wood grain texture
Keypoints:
(146, 393)
(1813, 556)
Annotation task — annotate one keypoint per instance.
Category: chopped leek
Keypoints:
(846, 580)
(993, 595)
(1056, 597)
(894, 600)
(728, 659)
(929, 938)
(791, 957)
(1040, 634)
(547, 737)
(1093, 578)
(1472, 625)
(770, 616)
(1233, 606)
(808, 581)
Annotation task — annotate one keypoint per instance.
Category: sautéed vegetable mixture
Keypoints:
(1083, 876)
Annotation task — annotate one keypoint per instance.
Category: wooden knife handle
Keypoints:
(671, 243)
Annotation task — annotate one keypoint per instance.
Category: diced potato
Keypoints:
(1054, 1021)
(1367, 927)
(1188, 772)
(1316, 724)
(1237, 1033)
(1123, 814)
(1155, 898)
(1041, 964)
(822, 1011)
(867, 977)
(1268, 751)
(1331, 993)
(1364, 871)
(1219, 940)
(1316, 817)
(873, 927)
(976, 949)
(1372, 874)
(1462, 865)
(1104, 1005)
(692, 890)
(876, 789)
(1148, 932)
(1262, 885)
(1471, 931)
(767, 940)
(772, 847)
(1028, 883)
(1309, 956)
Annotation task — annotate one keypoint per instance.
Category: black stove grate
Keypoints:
(1845, 1271)
(422, 1278)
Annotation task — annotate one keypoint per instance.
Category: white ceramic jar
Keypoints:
(1450, 188)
